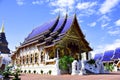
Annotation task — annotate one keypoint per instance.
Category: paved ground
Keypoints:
(110, 76)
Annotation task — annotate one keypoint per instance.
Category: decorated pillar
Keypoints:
(39, 59)
(89, 56)
(82, 71)
(57, 70)
(75, 68)
(58, 53)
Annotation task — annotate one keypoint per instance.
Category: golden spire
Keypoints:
(2, 28)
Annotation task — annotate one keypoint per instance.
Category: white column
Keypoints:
(89, 56)
(57, 53)
(39, 56)
(82, 71)
(57, 70)
(84, 56)
(75, 68)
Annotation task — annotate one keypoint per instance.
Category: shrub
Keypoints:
(7, 72)
(34, 71)
(1, 72)
(25, 71)
(41, 71)
(16, 74)
(109, 67)
(65, 62)
(49, 71)
(21, 71)
(91, 61)
(29, 71)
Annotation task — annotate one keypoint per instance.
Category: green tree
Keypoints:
(16, 74)
(109, 67)
(7, 72)
(65, 63)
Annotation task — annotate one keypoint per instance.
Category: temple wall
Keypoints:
(38, 69)
(45, 64)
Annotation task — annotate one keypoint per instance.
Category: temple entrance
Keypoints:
(73, 50)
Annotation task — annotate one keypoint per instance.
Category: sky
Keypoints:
(98, 19)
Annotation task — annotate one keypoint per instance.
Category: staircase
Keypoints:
(94, 68)
(90, 68)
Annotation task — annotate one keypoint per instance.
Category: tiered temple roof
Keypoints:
(109, 55)
(98, 56)
(116, 55)
(53, 31)
(3, 42)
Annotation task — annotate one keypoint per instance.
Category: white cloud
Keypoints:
(104, 18)
(108, 5)
(104, 47)
(117, 23)
(104, 25)
(68, 6)
(114, 45)
(20, 2)
(93, 24)
(62, 5)
(86, 8)
(114, 32)
(37, 2)
(86, 5)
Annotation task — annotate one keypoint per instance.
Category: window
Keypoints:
(41, 56)
(27, 59)
(23, 60)
(20, 60)
(31, 59)
(36, 57)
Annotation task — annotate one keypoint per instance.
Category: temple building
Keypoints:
(110, 57)
(3, 42)
(116, 58)
(47, 43)
(4, 50)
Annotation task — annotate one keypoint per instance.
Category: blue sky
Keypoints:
(98, 19)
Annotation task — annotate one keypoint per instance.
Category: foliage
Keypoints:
(7, 72)
(1, 72)
(41, 71)
(29, 71)
(16, 74)
(49, 71)
(109, 67)
(91, 61)
(21, 71)
(34, 71)
(65, 62)
(25, 71)
(18, 65)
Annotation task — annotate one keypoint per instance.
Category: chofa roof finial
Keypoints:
(2, 28)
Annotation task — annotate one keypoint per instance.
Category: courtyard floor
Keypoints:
(110, 76)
